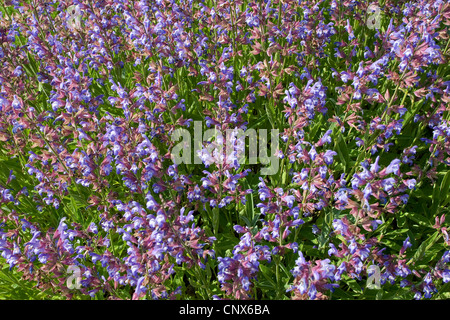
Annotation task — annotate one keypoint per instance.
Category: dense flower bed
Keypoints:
(346, 197)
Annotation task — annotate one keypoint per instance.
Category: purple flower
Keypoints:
(339, 226)
(140, 289)
(375, 167)
(446, 275)
(394, 167)
(375, 223)
(367, 191)
(410, 183)
(328, 156)
(388, 184)
(446, 257)
(312, 153)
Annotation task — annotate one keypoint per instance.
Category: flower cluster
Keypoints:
(93, 94)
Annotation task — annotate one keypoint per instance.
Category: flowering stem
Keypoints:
(363, 155)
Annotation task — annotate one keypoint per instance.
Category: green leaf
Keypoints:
(257, 124)
(379, 295)
(270, 110)
(420, 219)
(216, 219)
(354, 286)
(339, 293)
(443, 295)
(397, 232)
(312, 252)
(268, 274)
(436, 199)
(224, 242)
(249, 207)
(342, 150)
(265, 285)
(194, 283)
(316, 127)
(444, 190)
(426, 245)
